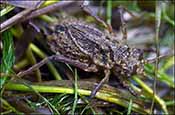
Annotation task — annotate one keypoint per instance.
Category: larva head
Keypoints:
(129, 61)
(136, 61)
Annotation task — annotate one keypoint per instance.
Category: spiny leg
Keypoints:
(126, 85)
(34, 67)
(123, 24)
(89, 12)
(59, 58)
(105, 79)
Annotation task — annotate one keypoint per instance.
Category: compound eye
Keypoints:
(138, 53)
(60, 28)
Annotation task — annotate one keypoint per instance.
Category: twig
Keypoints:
(158, 21)
(10, 22)
(48, 9)
(16, 19)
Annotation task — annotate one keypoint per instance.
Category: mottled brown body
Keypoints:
(88, 45)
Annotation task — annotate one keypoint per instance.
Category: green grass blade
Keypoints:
(6, 10)
(75, 93)
(109, 11)
(129, 107)
(8, 57)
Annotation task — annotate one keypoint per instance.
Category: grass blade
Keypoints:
(8, 57)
